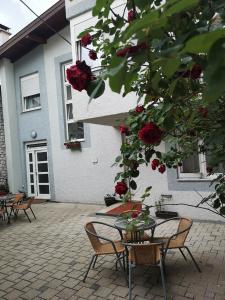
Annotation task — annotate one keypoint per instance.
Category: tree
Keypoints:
(171, 53)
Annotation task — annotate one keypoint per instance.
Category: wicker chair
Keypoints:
(16, 200)
(177, 240)
(104, 248)
(130, 236)
(24, 206)
(150, 254)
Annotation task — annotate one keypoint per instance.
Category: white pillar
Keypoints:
(10, 125)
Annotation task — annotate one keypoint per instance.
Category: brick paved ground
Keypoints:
(47, 258)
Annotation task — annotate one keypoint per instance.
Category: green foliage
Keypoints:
(178, 38)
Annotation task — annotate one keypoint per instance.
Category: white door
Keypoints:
(38, 172)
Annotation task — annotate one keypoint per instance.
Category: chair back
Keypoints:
(92, 235)
(183, 230)
(18, 198)
(29, 202)
(145, 254)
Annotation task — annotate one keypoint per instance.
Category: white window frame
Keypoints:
(67, 121)
(201, 175)
(23, 97)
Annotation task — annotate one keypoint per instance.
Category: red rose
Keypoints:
(131, 16)
(132, 50)
(203, 111)
(150, 134)
(124, 129)
(86, 40)
(93, 55)
(196, 71)
(162, 169)
(155, 164)
(79, 75)
(134, 215)
(139, 109)
(121, 188)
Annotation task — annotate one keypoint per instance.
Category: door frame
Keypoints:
(34, 151)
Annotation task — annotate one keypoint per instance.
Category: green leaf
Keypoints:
(150, 20)
(116, 81)
(216, 203)
(202, 43)
(95, 88)
(133, 185)
(222, 210)
(179, 6)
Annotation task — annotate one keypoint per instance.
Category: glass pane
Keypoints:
(42, 156)
(30, 157)
(69, 108)
(32, 189)
(43, 167)
(31, 178)
(31, 168)
(68, 92)
(32, 101)
(43, 178)
(191, 164)
(76, 131)
(43, 189)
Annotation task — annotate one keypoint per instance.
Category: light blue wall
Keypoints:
(37, 120)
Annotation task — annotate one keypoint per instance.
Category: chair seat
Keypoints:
(173, 242)
(128, 237)
(107, 248)
(20, 206)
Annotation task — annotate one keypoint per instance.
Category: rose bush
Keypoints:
(171, 54)
(79, 76)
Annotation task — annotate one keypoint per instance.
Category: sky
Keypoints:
(16, 16)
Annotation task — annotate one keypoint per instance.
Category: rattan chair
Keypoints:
(16, 200)
(131, 236)
(177, 240)
(147, 255)
(24, 206)
(106, 247)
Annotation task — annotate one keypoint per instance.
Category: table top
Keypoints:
(122, 223)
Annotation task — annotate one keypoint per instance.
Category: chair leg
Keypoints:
(163, 279)
(96, 256)
(130, 282)
(86, 274)
(32, 212)
(194, 261)
(182, 254)
(121, 266)
(27, 215)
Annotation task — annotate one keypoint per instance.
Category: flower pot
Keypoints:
(163, 214)
(73, 145)
(110, 200)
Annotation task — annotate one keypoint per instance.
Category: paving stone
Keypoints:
(47, 259)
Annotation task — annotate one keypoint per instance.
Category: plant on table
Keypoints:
(170, 53)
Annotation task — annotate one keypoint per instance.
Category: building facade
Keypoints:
(42, 114)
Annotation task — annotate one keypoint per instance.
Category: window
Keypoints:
(30, 92)
(195, 166)
(74, 130)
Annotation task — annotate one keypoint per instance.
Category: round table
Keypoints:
(121, 225)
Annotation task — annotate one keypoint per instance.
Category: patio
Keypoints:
(47, 258)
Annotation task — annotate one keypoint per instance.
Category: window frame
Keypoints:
(23, 98)
(67, 102)
(201, 175)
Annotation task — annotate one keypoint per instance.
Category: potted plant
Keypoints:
(73, 145)
(160, 210)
